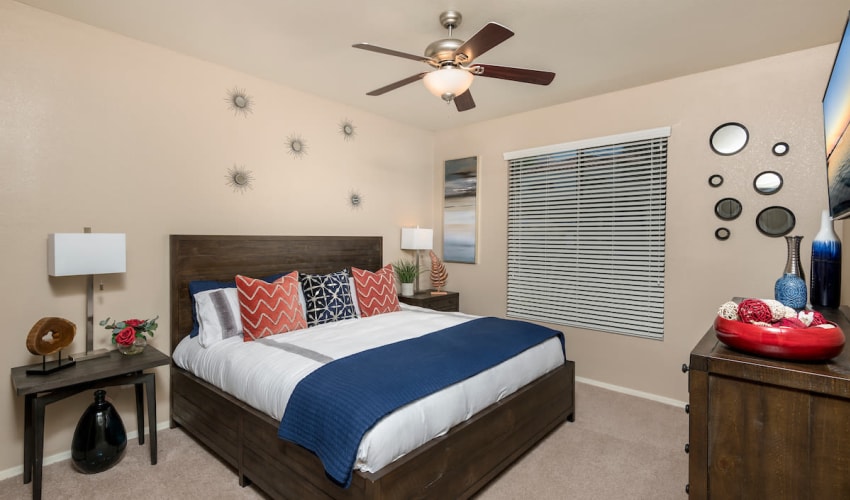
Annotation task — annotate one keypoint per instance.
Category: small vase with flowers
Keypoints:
(130, 335)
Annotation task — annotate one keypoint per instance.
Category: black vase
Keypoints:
(99, 439)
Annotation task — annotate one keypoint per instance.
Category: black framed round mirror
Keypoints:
(775, 221)
(715, 180)
(729, 138)
(722, 233)
(780, 148)
(767, 182)
(728, 209)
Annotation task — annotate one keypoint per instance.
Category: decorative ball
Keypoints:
(818, 319)
(754, 311)
(778, 310)
(729, 311)
(806, 317)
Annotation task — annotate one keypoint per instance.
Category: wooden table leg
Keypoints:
(38, 445)
(150, 385)
(29, 437)
(140, 412)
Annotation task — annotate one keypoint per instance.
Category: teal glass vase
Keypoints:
(790, 288)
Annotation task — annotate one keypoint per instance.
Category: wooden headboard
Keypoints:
(216, 257)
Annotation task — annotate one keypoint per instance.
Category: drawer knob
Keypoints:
(684, 368)
(688, 488)
(687, 408)
(687, 447)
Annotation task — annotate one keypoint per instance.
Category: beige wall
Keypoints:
(103, 131)
(778, 99)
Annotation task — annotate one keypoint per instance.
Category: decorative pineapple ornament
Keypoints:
(439, 275)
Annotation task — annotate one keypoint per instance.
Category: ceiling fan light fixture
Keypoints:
(448, 82)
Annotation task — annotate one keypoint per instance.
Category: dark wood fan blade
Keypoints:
(400, 83)
(516, 74)
(390, 52)
(464, 101)
(487, 37)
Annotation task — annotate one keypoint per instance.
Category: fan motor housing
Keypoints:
(443, 50)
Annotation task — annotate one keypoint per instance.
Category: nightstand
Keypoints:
(448, 302)
(112, 370)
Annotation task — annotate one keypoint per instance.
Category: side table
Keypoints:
(450, 301)
(107, 371)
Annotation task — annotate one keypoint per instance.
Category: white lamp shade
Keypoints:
(416, 238)
(447, 80)
(72, 254)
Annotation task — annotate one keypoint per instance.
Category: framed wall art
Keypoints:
(460, 210)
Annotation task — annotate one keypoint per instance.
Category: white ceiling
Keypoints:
(594, 46)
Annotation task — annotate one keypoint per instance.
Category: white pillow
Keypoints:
(218, 315)
(353, 292)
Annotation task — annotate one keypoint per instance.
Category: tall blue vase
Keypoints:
(826, 265)
(790, 288)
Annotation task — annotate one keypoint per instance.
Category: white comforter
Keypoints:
(264, 374)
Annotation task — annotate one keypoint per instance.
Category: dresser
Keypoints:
(768, 429)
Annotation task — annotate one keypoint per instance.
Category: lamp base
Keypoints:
(438, 292)
(84, 356)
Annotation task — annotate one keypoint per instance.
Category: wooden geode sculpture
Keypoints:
(49, 335)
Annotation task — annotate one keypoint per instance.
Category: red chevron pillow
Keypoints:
(269, 308)
(375, 291)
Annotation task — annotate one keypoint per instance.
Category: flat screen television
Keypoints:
(836, 118)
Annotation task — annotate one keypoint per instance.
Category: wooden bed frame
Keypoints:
(455, 465)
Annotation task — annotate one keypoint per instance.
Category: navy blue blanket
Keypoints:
(333, 407)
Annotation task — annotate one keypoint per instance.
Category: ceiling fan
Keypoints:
(452, 60)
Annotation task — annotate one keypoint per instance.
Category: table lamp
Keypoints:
(416, 238)
(87, 253)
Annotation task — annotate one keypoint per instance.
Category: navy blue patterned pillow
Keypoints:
(327, 297)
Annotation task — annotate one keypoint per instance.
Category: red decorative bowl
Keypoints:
(801, 344)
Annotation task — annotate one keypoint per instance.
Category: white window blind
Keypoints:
(586, 233)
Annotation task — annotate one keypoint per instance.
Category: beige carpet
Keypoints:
(619, 447)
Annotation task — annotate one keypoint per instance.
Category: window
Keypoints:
(586, 232)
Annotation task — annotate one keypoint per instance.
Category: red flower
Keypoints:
(134, 322)
(126, 336)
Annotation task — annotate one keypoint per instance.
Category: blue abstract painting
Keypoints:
(460, 202)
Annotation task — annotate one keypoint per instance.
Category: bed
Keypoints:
(454, 465)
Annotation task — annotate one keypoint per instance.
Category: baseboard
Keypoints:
(632, 392)
(65, 455)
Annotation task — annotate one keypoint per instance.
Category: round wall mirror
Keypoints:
(767, 182)
(729, 138)
(715, 180)
(728, 208)
(722, 233)
(775, 221)
(780, 148)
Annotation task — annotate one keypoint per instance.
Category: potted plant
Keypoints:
(407, 273)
